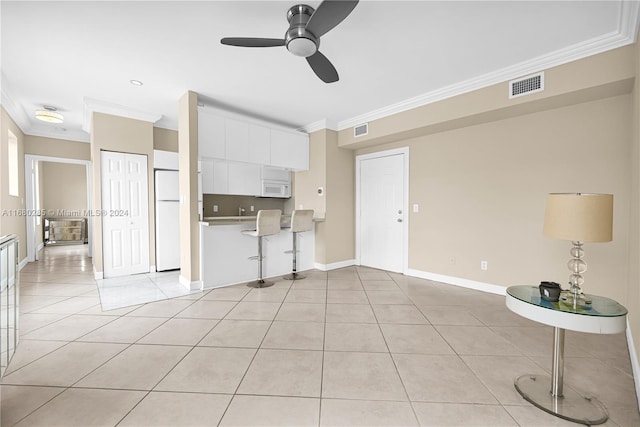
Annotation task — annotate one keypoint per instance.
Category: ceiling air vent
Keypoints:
(526, 85)
(361, 130)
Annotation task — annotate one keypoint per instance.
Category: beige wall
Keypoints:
(64, 186)
(165, 139)
(11, 222)
(333, 169)
(305, 186)
(113, 133)
(52, 147)
(633, 298)
(482, 189)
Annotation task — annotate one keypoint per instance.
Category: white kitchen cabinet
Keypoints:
(259, 144)
(207, 176)
(289, 150)
(270, 173)
(215, 176)
(236, 140)
(211, 135)
(244, 179)
(220, 177)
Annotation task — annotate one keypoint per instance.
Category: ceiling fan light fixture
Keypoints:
(302, 46)
(49, 115)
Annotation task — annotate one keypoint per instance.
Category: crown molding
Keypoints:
(96, 106)
(626, 34)
(319, 125)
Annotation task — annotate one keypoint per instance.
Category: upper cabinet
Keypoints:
(211, 135)
(259, 145)
(245, 141)
(236, 140)
(289, 150)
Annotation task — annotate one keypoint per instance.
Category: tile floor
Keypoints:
(354, 346)
(124, 291)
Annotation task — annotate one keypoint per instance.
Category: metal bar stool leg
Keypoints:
(260, 283)
(294, 275)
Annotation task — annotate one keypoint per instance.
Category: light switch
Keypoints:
(215, 208)
(252, 208)
(416, 208)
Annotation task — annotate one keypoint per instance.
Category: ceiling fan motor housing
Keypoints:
(298, 40)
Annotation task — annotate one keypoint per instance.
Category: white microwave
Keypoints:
(276, 189)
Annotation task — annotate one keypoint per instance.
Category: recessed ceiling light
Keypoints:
(136, 82)
(49, 114)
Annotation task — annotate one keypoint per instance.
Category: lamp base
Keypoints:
(574, 299)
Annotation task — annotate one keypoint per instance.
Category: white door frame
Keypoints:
(30, 201)
(405, 204)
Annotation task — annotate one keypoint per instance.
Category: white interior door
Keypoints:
(125, 219)
(381, 228)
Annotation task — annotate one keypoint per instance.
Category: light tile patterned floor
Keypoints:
(354, 346)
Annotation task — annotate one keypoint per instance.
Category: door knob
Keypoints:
(399, 219)
(400, 211)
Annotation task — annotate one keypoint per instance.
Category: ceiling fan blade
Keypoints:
(251, 42)
(323, 67)
(329, 14)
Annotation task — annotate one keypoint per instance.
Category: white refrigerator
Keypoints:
(167, 220)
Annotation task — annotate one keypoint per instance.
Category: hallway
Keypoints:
(354, 346)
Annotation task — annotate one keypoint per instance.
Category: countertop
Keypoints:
(246, 219)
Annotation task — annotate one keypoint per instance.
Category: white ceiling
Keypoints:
(391, 55)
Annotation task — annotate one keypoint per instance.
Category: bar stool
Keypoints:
(267, 224)
(301, 220)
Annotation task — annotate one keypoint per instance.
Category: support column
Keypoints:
(188, 176)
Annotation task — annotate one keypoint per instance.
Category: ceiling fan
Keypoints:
(306, 26)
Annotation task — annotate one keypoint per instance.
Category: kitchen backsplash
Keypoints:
(228, 205)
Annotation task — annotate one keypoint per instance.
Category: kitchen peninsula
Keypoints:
(225, 251)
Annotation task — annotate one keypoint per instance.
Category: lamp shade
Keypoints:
(579, 217)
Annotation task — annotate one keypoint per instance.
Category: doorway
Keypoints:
(381, 209)
(125, 214)
(36, 212)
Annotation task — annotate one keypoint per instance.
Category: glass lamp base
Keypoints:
(570, 406)
(576, 300)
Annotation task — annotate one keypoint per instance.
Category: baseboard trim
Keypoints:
(334, 265)
(457, 281)
(152, 269)
(22, 264)
(191, 286)
(97, 275)
(40, 247)
(635, 365)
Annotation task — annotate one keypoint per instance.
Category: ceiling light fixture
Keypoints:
(136, 82)
(49, 114)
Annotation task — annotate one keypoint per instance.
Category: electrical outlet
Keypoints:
(215, 208)
(300, 207)
(484, 265)
(252, 208)
(416, 208)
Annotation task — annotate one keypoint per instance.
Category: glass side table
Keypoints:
(602, 316)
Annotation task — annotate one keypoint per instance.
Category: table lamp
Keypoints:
(578, 217)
